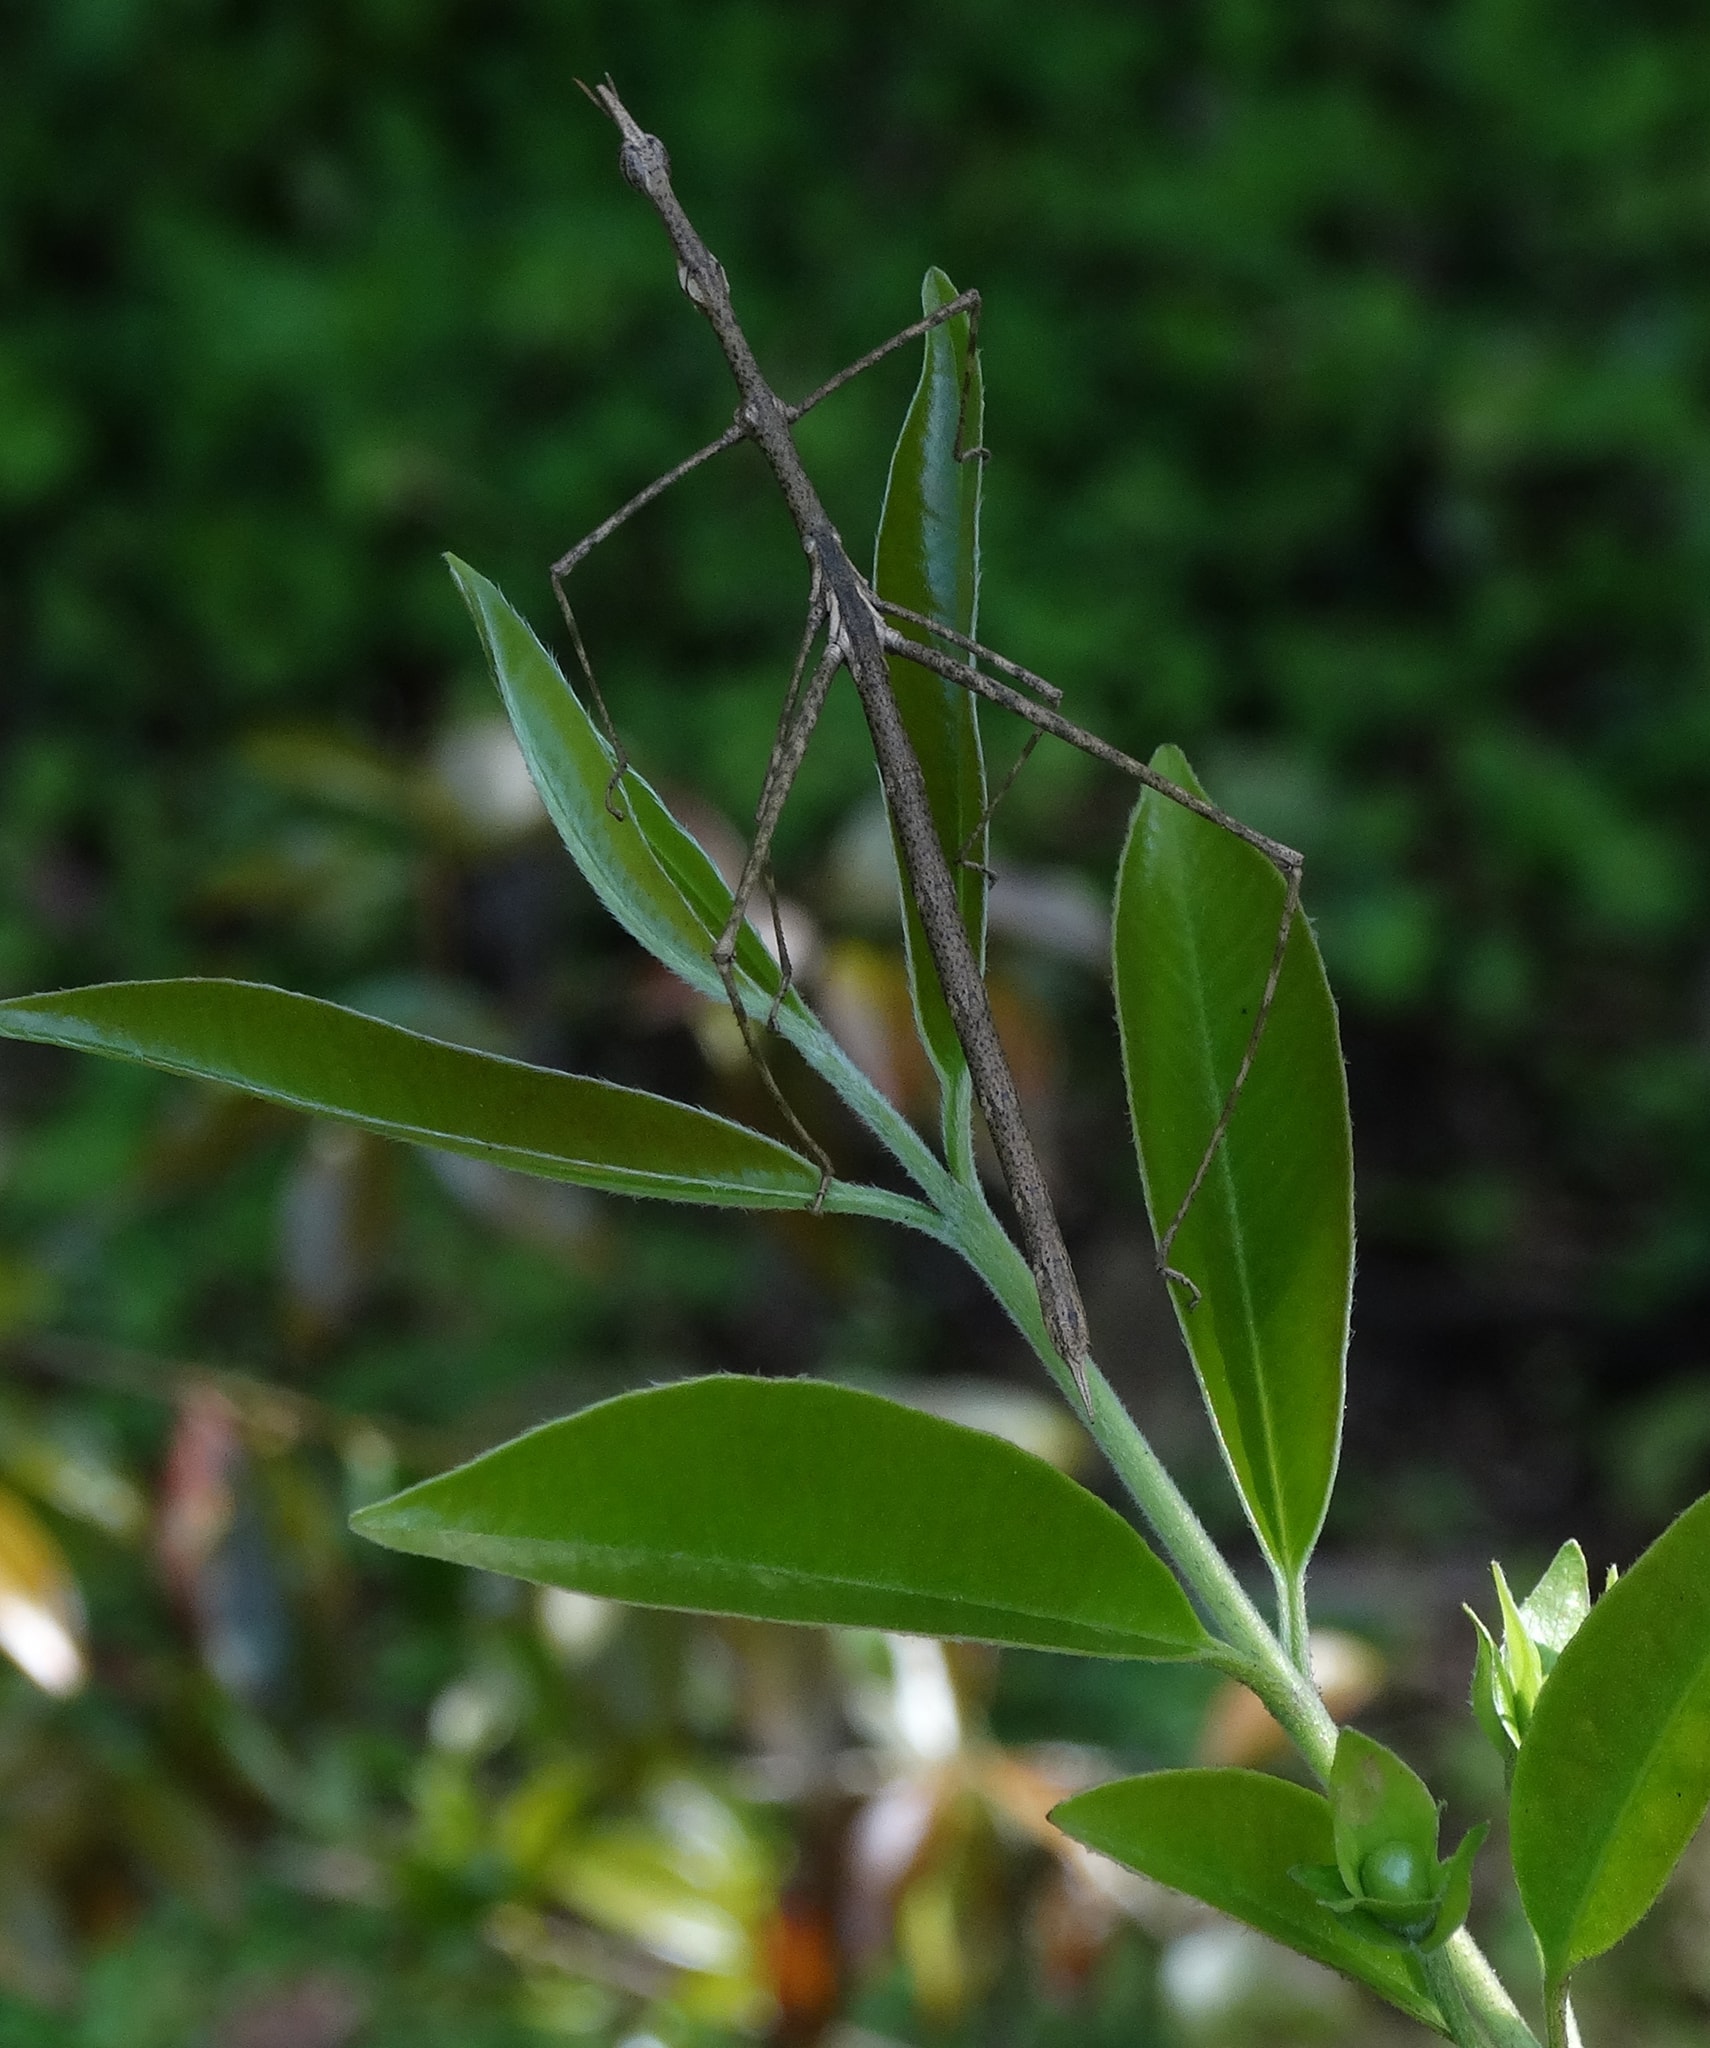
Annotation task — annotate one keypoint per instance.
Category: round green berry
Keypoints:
(1397, 1875)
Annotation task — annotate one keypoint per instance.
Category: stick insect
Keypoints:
(861, 633)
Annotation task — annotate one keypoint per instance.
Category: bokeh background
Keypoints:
(1348, 374)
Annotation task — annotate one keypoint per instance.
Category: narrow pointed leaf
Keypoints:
(1232, 1838)
(928, 559)
(1614, 1773)
(1457, 1887)
(793, 1500)
(1519, 1652)
(1269, 1239)
(41, 1611)
(651, 874)
(1492, 1698)
(333, 1062)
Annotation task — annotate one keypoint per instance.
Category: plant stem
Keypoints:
(881, 1116)
(1252, 1652)
(1446, 1988)
(1256, 1657)
(1291, 1619)
(1259, 1660)
(1561, 2027)
(1458, 1975)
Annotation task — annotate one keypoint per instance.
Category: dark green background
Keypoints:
(1347, 374)
(1348, 386)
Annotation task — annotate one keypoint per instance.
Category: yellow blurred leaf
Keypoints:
(534, 1819)
(626, 1882)
(41, 1613)
(73, 1477)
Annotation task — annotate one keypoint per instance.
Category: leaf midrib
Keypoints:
(90, 1039)
(1587, 1892)
(798, 1576)
(1222, 1172)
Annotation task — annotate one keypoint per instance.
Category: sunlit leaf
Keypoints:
(928, 558)
(315, 1056)
(1613, 1776)
(41, 1614)
(792, 1500)
(71, 1474)
(1557, 1605)
(1269, 1239)
(1232, 1838)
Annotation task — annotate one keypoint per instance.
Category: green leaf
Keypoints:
(1557, 1605)
(653, 877)
(333, 1062)
(1493, 1697)
(793, 1500)
(1457, 1888)
(1232, 1838)
(1378, 1803)
(1269, 1239)
(928, 558)
(1520, 1657)
(1614, 1773)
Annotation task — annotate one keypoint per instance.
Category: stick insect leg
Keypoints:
(567, 564)
(786, 968)
(965, 852)
(815, 618)
(1284, 859)
(964, 302)
(1048, 692)
(1051, 721)
(1261, 1017)
(970, 362)
(802, 715)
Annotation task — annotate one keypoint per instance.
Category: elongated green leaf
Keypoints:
(1614, 1773)
(1269, 1239)
(928, 558)
(1232, 1838)
(792, 1500)
(653, 877)
(335, 1063)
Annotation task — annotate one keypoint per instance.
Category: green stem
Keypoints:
(1251, 1651)
(1445, 1987)
(1254, 1654)
(1562, 2029)
(1257, 1658)
(856, 1198)
(1292, 1627)
(1459, 1971)
(893, 1130)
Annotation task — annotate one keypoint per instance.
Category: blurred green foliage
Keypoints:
(1346, 371)
(1346, 366)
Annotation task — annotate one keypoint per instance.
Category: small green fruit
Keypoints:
(1397, 1875)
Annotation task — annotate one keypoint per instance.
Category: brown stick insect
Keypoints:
(859, 631)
